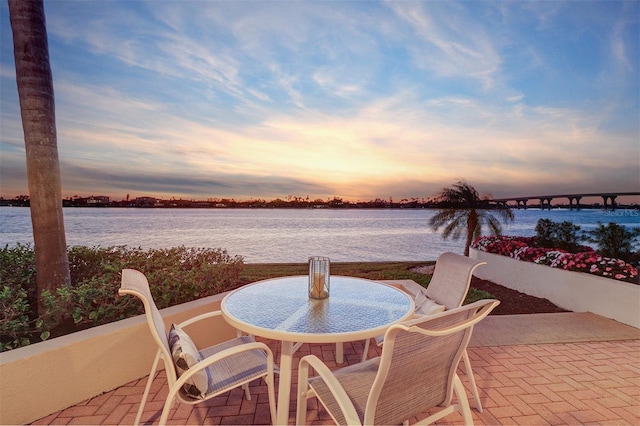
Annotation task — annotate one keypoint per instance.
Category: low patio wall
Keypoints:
(46, 377)
(574, 291)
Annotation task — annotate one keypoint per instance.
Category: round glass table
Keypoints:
(281, 309)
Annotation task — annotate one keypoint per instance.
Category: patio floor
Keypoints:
(569, 368)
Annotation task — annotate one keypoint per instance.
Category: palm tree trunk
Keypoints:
(472, 225)
(35, 90)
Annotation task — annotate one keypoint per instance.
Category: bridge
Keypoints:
(609, 199)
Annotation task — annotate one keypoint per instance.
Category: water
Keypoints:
(284, 235)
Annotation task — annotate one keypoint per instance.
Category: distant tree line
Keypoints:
(288, 202)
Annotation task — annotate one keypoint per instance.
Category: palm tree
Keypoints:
(35, 92)
(463, 211)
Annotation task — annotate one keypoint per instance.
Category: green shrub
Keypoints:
(176, 275)
(612, 240)
(18, 323)
(615, 241)
(18, 269)
(18, 326)
(564, 235)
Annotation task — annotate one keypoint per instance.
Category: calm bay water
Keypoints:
(284, 235)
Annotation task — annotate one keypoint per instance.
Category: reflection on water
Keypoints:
(283, 235)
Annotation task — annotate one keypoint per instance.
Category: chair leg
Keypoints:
(147, 388)
(463, 402)
(271, 386)
(472, 381)
(247, 392)
(303, 388)
(168, 403)
(365, 351)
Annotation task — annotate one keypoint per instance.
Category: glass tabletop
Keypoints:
(281, 308)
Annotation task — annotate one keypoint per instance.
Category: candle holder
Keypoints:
(318, 277)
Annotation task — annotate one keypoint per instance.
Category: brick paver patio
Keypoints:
(542, 384)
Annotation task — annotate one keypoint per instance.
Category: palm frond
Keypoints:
(463, 212)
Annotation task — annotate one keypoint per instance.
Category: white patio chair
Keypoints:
(416, 372)
(197, 375)
(447, 290)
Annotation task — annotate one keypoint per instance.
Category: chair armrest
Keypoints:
(343, 400)
(199, 318)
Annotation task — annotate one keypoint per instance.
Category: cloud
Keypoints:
(183, 184)
(383, 145)
(449, 42)
(351, 99)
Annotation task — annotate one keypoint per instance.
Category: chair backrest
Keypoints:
(451, 278)
(136, 284)
(419, 361)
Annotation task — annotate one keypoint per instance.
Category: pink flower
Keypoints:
(587, 261)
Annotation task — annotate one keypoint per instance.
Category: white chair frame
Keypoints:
(369, 391)
(135, 283)
(450, 290)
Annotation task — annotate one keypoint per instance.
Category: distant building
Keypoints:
(146, 202)
(98, 201)
(92, 201)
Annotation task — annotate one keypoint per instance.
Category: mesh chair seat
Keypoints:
(356, 380)
(233, 371)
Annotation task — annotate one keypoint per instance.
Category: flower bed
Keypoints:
(570, 290)
(586, 260)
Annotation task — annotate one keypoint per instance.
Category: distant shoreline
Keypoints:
(7, 203)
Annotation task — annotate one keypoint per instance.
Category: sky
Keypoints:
(352, 99)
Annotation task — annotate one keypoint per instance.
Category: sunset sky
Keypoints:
(354, 99)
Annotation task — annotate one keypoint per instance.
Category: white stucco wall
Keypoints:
(574, 291)
(46, 377)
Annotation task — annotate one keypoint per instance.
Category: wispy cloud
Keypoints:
(448, 40)
(352, 99)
